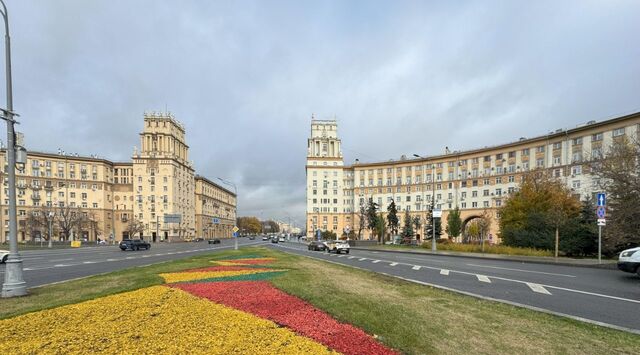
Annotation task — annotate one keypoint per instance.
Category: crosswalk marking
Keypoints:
(444, 272)
(416, 267)
(393, 264)
(376, 261)
(538, 288)
(483, 278)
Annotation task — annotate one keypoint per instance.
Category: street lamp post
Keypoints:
(14, 284)
(235, 191)
(433, 205)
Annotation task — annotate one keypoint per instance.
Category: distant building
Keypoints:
(474, 180)
(112, 196)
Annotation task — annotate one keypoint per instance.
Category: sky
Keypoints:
(245, 77)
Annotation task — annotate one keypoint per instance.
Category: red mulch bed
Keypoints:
(264, 300)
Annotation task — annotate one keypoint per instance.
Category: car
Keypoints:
(4, 255)
(316, 245)
(629, 260)
(134, 244)
(281, 239)
(214, 241)
(274, 240)
(337, 245)
(265, 237)
(199, 239)
(252, 237)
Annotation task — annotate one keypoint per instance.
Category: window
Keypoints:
(577, 141)
(596, 137)
(539, 163)
(525, 152)
(618, 132)
(596, 153)
(540, 149)
(576, 170)
(557, 145)
(474, 193)
(512, 178)
(575, 184)
(556, 160)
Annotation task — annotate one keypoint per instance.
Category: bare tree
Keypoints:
(134, 227)
(68, 219)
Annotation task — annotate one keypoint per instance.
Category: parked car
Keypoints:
(265, 237)
(252, 237)
(274, 240)
(4, 255)
(134, 244)
(316, 246)
(337, 245)
(629, 260)
(199, 239)
(281, 239)
(214, 241)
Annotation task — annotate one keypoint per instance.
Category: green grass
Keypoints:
(490, 249)
(412, 318)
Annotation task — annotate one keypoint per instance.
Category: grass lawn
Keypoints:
(412, 318)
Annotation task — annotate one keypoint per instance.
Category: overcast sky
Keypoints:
(401, 77)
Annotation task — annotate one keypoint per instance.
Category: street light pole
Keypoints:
(14, 284)
(235, 191)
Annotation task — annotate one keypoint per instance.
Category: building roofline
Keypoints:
(200, 177)
(550, 136)
(63, 156)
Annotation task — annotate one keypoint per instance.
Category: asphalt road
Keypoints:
(609, 297)
(45, 266)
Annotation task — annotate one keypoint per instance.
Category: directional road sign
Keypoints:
(601, 199)
(600, 212)
(172, 218)
(215, 220)
(437, 213)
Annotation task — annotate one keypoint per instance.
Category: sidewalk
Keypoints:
(564, 261)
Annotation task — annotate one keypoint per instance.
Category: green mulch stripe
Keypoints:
(250, 277)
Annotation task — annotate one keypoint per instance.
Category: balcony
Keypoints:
(35, 197)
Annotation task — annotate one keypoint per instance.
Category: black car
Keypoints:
(252, 237)
(317, 246)
(214, 241)
(134, 244)
(274, 240)
(199, 239)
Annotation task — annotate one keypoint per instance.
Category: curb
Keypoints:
(612, 266)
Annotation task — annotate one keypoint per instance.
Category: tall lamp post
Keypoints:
(235, 191)
(14, 284)
(433, 205)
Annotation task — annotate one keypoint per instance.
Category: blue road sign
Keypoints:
(602, 199)
(600, 212)
(318, 234)
(235, 234)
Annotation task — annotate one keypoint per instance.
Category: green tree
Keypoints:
(407, 228)
(417, 224)
(618, 174)
(328, 235)
(362, 220)
(381, 227)
(581, 233)
(454, 223)
(392, 217)
(372, 215)
(541, 206)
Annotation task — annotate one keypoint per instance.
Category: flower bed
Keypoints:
(154, 320)
(266, 301)
(207, 275)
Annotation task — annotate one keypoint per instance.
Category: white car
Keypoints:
(281, 239)
(629, 260)
(339, 246)
(4, 255)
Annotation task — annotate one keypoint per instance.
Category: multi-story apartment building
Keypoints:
(476, 180)
(111, 196)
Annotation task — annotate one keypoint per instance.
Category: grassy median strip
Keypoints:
(412, 318)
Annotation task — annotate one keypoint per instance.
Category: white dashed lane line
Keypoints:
(538, 288)
(483, 278)
(444, 272)
(415, 267)
(393, 264)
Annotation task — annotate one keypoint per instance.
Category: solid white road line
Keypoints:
(538, 288)
(533, 272)
(415, 267)
(393, 264)
(376, 261)
(444, 272)
(483, 278)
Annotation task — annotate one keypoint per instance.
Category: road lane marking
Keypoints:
(376, 261)
(58, 260)
(89, 262)
(352, 257)
(415, 267)
(130, 257)
(444, 272)
(112, 259)
(393, 264)
(538, 288)
(362, 259)
(533, 272)
(146, 256)
(341, 256)
(60, 265)
(483, 278)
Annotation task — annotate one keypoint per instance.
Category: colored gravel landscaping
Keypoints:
(264, 300)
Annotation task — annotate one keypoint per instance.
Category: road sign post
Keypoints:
(601, 199)
(235, 236)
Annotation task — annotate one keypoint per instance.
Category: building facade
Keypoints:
(93, 198)
(477, 181)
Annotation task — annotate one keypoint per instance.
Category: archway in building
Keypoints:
(469, 233)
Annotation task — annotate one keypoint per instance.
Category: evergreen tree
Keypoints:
(372, 215)
(454, 223)
(407, 228)
(392, 217)
(380, 228)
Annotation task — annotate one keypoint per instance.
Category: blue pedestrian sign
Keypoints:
(600, 212)
(235, 234)
(601, 199)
